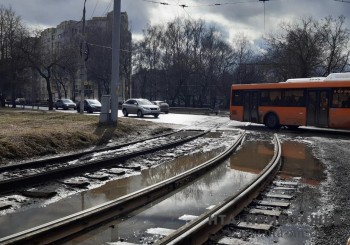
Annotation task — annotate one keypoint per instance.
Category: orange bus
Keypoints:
(320, 102)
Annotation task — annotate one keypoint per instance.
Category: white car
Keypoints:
(140, 107)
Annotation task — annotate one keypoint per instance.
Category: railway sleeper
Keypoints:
(263, 213)
(279, 196)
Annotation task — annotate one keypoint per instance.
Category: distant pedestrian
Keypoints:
(216, 108)
(2, 101)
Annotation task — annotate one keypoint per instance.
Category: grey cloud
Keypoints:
(249, 14)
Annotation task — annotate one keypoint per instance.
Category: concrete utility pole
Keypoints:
(83, 76)
(115, 61)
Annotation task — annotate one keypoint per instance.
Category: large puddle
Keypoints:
(298, 161)
(13, 223)
(209, 190)
(191, 201)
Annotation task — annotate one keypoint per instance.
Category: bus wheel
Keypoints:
(272, 121)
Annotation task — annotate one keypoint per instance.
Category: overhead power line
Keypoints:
(95, 8)
(106, 47)
(201, 5)
(344, 1)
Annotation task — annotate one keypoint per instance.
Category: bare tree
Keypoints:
(148, 59)
(336, 40)
(184, 62)
(43, 59)
(11, 63)
(297, 52)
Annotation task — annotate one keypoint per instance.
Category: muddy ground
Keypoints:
(334, 196)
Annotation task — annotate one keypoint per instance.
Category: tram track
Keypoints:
(63, 170)
(198, 231)
(27, 174)
(59, 230)
(95, 216)
(86, 153)
(69, 157)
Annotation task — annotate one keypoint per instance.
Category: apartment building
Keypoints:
(92, 78)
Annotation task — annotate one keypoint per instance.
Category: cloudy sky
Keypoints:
(230, 16)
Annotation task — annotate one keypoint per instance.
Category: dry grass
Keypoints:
(27, 134)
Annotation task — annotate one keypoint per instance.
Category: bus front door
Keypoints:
(250, 107)
(317, 108)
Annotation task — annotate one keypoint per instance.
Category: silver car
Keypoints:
(140, 107)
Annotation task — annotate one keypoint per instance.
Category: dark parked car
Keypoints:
(164, 107)
(20, 101)
(65, 104)
(140, 107)
(90, 105)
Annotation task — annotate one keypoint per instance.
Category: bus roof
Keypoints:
(332, 80)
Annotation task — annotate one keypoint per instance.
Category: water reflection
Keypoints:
(297, 160)
(253, 157)
(211, 189)
(12, 223)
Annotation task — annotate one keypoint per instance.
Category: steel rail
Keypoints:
(13, 184)
(72, 156)
(199, 230)
(69, 226)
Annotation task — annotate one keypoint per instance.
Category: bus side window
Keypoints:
(237, 97)
(264, 98)
(275, 98)
(346, 103)
(294, 97)
(341, 99)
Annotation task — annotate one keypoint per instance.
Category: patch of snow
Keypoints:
(160, 231)
(188, 217)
